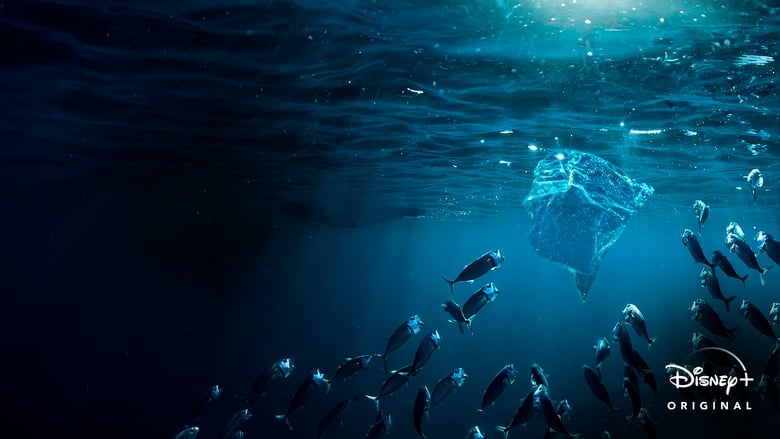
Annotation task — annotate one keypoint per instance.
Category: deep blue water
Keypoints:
(191, 192)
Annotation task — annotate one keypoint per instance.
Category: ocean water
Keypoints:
(194, 190)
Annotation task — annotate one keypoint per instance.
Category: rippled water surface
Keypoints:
(193, 190)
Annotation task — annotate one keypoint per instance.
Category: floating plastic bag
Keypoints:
(579, 205)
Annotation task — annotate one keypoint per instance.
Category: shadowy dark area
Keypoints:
(343, 214)
(112, 294)
(191, 192)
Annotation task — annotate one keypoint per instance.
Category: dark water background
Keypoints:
(193, 190)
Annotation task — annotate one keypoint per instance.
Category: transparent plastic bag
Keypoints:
(579, 206)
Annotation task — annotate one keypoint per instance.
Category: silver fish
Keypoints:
(489, 261)
(646, 422)
(694, 247)
(774, 313)
(620, 335)
(701, 343)
(755, 180)
(564, 412)
(402, 333)
(702, 212)
(735, 229)
(630, 373)
(479, 299)
(456, 312)
(497, 385)
(545, 406)
(446, 385)
(279, 370)
(709, 280)
(757, 319)
(351, 366)
(768, 245)
(538, 376)
(634, 317)
(722, 261)
(422, 405)
(430, 343)
(602, 350)
(382, 426)
(235, 422)
(210, 395)
(630, 391)
(647, 374)
(745, 253)
(593, 379)
(305, 391)
(394, 382)
(703, 313)
(522, 414)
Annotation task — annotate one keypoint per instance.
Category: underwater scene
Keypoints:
(390, 219)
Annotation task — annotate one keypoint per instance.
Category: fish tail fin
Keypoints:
(468, 325)
(375, 399)
(452, 289)
(762, 273)
(460, 327)
(728, 300)
(652, 341)
(285, 419)
(743, 278)
(503, 430)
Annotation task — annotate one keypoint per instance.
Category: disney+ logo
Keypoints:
(683, 377)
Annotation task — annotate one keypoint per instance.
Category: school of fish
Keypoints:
(538, 400)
